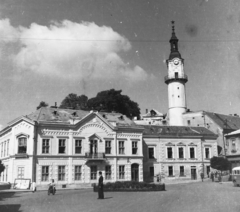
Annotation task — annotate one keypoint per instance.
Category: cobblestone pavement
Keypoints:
(187, 197)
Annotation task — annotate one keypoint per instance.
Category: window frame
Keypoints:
(45, 147)
(172, 152)
(93, 173)
(153, 155)
(194, 151)
(209, 152)
(108, 172)
(21, 174)
(151, 171)
(45, 174)
(79, 146)
(77, 172)
(169, 171)
(121, 147)
(183, 152)
(108, 147)
(181, 173)
(121, 172)
(22, 146)
(61, 173)
(134, 147)
(61, 146)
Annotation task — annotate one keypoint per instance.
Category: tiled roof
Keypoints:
(177, 131)
(58, 115)
(225, 121)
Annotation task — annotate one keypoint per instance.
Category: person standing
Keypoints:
(100, 186)
(212, 176)
(202, 176)
(33, 187)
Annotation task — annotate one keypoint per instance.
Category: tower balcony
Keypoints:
(94, 156)
(176, 78)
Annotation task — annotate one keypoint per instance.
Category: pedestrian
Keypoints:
(33, 187)
(202, 176)
(212, 176)
(100, 186)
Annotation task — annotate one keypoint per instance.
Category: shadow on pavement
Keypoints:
(10, 208)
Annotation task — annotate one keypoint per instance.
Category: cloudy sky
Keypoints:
(51, 48)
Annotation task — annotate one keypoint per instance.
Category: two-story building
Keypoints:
(177, 152)
(233, 148)
(71, 146)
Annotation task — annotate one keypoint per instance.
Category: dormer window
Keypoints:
(22, 145)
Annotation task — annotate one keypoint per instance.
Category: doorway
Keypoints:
(193, 173)
(208, 170)
(135, 172)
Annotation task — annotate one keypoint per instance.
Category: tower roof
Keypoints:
(174, 45)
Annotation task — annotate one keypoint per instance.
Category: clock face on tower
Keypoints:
(176, 61)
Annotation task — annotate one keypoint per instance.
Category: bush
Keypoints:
(131, 186)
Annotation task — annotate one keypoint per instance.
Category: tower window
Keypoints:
(178, 96)
(176, 75)
(177, 87)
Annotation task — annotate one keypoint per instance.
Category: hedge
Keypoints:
(130, 186)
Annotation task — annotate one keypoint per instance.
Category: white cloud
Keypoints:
(71, 50)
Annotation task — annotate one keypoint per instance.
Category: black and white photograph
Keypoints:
(119, 105)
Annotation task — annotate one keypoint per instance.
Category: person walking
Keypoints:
(212, 176)
(100, 186)
(202, 176)
(33, 187)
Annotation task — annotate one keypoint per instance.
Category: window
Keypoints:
(20, 173)
(181, 170)
(22, 145)
(8, 148)
(207, 153)
(233, 146)
(108, 147)
(1, 149)
(188, 122)
(4, 154)
(78, 173)
(151, 170)
(121, 147)
(121, 172)
(6, 169)
(192, 152)
(169, 152)
(61, 173)
(45, 173)
(78, 146)
(150, 152)
(108, 172)
(45, 146)
(180, 152)
(170, 171)
(93, 172)
(62, 146)
(134, 147)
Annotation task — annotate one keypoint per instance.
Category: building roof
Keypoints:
(153, 113)
(69, 116)
(237, 132)
(177, 131)
(225, 121)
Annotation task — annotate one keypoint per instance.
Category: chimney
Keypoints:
(146, 111)
(56, 104)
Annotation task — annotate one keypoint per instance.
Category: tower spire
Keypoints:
(174, 44)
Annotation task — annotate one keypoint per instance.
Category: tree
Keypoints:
(220, 163)
(73, 101)
(42, 104)
(112, 100)
(2, 167)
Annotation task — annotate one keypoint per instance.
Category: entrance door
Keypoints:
(135, 172)
(208, 170)
(193, 173)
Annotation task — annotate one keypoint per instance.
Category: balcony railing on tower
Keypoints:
(95, 156)
(182, 77)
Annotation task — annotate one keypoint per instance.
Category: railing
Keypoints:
(182, 77)
(89, 155)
